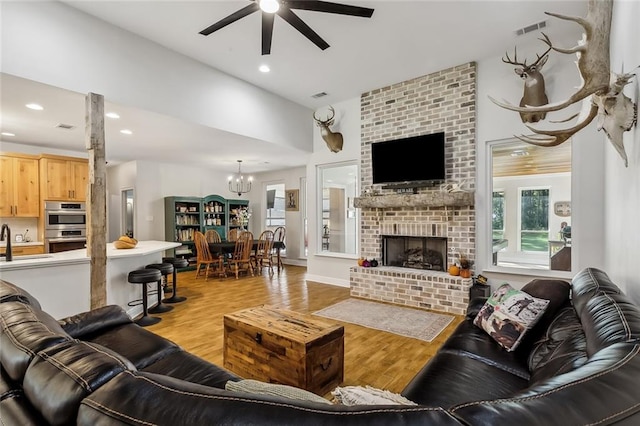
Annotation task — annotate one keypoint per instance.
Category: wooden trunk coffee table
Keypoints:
(279, 346)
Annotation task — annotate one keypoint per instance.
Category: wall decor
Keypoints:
(291, 200)
(562, 208)
(534, 89)
(601, 90)
(333, 140)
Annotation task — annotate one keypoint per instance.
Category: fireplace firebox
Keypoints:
(414, 252)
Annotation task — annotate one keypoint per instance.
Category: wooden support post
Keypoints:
(97, 205)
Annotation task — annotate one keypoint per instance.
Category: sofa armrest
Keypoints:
(474, 307)
(94, 321)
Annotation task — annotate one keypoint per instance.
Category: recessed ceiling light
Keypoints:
(8, 134)
(126, 132)
(112, 115)
(35, 107)
(264, 68)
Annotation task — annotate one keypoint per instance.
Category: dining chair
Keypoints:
(233, 234)
(212, 236)
(278, 236)
(240, 260)
(262, 255)
(204, 257)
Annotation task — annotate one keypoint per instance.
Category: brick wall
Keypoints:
(444, 101)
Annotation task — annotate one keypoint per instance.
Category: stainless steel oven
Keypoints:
(65, 215)
(65, 226)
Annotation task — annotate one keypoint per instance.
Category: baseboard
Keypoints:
(294, 262)
(328, 280)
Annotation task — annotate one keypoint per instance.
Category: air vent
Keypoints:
(529, 28)
(65, 126)
(319, 95)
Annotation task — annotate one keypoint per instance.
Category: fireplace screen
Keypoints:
(414, 252)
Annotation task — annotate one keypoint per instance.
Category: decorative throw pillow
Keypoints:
(358, 395)
(508, 314)
(261, 388)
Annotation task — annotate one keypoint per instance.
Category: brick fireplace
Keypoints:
(440, 102)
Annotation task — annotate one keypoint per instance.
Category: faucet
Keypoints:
(8, 254)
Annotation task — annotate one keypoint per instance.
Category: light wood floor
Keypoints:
(376, 358)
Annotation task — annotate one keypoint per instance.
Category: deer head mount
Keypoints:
(534, 90)
(601, 90)
(333, 140)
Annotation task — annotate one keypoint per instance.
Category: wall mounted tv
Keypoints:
(413, 159)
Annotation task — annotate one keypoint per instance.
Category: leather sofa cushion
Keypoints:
(171, 401)
(16, 410)
(603, 391)
(59, 378)
(185, 366)
(563, 347)
(13, 293)
(133, 342)
(25, 331)
(471, 340)
(609, 318)
(453, 377)
(94, 322)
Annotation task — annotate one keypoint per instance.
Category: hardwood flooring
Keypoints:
(376, 358)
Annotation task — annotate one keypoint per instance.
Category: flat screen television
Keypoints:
(413, 159)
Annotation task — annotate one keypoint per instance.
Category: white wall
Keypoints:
(119, 178)
(55, 44)
(320, 267)
(622, 185)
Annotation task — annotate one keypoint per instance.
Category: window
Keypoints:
(337, 218)
(274, 216)
(534, 220)
(497, 218)
(530, 190)
(303, 211)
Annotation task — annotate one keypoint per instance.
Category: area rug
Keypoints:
(407, 322)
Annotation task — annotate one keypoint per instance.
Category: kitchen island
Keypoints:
(60, 281)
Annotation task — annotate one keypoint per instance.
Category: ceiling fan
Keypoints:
(283, 8)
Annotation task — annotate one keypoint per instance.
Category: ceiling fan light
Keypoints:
(269, 6)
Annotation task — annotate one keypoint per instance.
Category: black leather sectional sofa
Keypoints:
(581, 366)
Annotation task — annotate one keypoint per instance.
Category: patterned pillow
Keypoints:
(508, 314)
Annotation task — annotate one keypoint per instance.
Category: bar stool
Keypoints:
(144, 277)
(177, 262)
(165, 269)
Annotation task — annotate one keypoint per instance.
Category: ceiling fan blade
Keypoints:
(297, 23)
(328, 7)
(267, 32)
(247, 10)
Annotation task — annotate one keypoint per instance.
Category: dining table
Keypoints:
(227, 247)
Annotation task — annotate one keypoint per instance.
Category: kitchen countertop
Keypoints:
(80, 256)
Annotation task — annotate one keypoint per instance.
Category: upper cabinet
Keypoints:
(19, 189)
(63, 178)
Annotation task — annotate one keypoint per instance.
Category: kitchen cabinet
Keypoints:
(63, 178)
(23, 250)
(19, 189)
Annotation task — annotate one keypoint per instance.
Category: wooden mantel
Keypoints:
(427, 199)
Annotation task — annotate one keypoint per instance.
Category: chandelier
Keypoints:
(238, 183)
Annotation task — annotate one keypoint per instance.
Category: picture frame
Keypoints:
(291, 200)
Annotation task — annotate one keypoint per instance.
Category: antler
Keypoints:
(593, 64)
(328, 120)
(524, 64)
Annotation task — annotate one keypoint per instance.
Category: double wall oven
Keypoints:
(65, 226)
